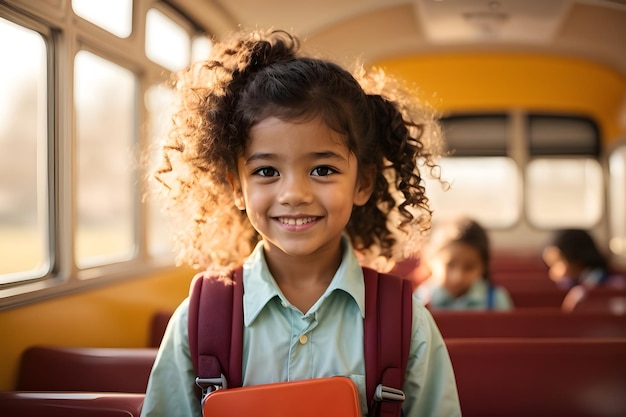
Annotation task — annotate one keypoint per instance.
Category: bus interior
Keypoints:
(531, 98)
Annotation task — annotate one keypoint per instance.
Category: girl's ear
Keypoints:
(365, 186)
(240, 203)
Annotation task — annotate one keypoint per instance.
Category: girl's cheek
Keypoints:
(438, 272)
(558, 271)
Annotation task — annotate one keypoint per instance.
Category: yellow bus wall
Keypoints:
(474, 82)
(117, 315)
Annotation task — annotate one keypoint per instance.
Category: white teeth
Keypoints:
(295, 222)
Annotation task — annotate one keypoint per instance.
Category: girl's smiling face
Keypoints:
(457, 267)
(298, 183)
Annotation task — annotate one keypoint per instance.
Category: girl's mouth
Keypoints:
(290, 221)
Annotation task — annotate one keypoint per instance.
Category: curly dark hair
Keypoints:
(260, 74)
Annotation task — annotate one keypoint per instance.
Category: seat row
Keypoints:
(528, 323)
(70, 404)
(610, 300)
(580, 377)
(55, 381)
(601, 314)
(527, 281)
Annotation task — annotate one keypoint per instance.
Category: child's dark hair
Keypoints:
(578, 247)
(467, 231)
(262, 74)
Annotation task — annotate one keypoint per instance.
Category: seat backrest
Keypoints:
(527, 323)
(54, 404)
(58, 368)
(540, 377)
(507, 261)
(158, 324)
(536, 298)
(604, 300)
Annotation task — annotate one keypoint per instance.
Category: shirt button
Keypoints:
(303, 339)
(285, 304)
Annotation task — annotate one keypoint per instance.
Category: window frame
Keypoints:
(47, 35)
(518, 148)
(66, 33)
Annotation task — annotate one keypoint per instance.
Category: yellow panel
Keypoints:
(115, 316)
(470, 82)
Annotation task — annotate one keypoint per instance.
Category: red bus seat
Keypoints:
(57, 404)
(521, 281)
(528, 323)
(605, 300)
(508, 261)
(158, 324)
(535, 298)
(55, 368)
(540, 377)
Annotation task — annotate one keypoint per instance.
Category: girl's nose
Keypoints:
(453, 275)
(295, 190)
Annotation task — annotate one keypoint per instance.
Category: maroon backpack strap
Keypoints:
(387, 338)
(215, 326)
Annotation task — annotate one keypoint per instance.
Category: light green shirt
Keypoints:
(476, 298)
(274, 349)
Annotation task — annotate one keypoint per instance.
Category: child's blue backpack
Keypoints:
(387, 335)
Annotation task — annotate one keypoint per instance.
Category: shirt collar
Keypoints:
(474, 295)
(260, 286)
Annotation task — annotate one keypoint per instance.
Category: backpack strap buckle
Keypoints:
(209, 385)
(384, 393)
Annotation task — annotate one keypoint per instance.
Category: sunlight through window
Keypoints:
(105, 111)
(485, 188)
(167, 43)
(564, 192)
(23, 147)
(115, 16)
(617, 200)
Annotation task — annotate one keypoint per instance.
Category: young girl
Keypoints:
(457, 257)
(286, 164)
(576, 264)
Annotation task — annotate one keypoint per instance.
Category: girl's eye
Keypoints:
(322, 171)
(266, 172)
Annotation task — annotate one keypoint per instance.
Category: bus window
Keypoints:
(201, 47)
(476, 134)
(564, 183)
(114, 16)
(160, 103)
(24, 202)
(564, 192)
(485, 188)
(167, 43)
(105, 114)
(617, 201)
(73, 133)
(483, 181)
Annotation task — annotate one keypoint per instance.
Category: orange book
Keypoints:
(334, 396)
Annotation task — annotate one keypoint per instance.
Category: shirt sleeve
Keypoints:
(430, 385)
(171, 388)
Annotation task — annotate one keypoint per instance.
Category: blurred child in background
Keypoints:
(457, 260)
(576, 264)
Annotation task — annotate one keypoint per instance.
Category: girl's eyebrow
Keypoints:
(327, 155)
(259, 156)
(262, 156)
